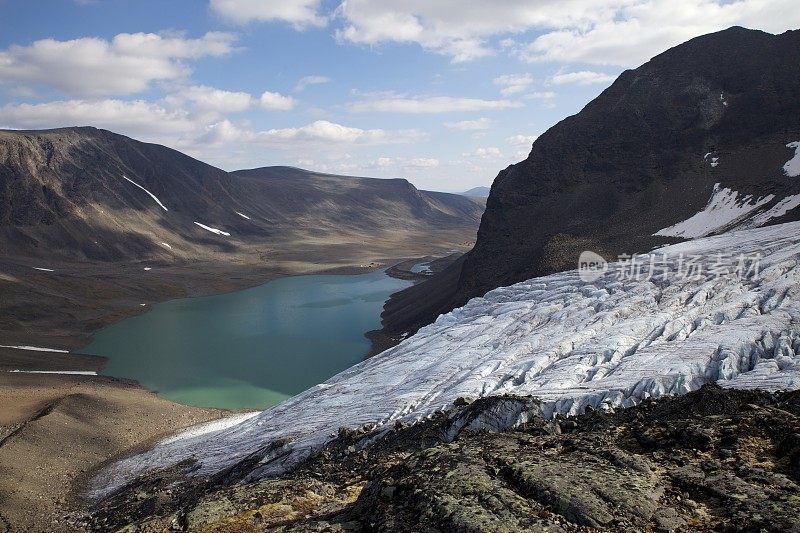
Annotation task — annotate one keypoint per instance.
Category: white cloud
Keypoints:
(522, 144)
(423, 162)
(607, 32)
(513, 83)
(299, 13)
(583, 77)
(323, 130)
(453, 27)
(277, 101)
(521, 140)
(434, 104)
(393, 164)
(320, 131)
(490, 152)
(634, 31)
(209, 99)
(470, 125)
(95, 67)
(222, 132)
(310, 80)
(540, 95)
(133, 117)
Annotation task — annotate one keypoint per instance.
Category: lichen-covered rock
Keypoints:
(713, 459)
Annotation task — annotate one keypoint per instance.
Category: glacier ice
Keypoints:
(572, 344)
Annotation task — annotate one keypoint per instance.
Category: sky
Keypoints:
(444, 93)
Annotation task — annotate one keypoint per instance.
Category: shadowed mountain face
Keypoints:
(644, 156)
(89, 194)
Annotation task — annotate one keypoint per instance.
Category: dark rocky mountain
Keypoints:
(643, 156)
(64, 193)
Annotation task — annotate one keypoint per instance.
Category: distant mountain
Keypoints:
(90, 194)
(477, 192)
(701, 139)
(356, 204)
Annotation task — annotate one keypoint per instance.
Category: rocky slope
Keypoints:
(713, 459)
(710, 125)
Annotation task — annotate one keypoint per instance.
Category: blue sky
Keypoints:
(445, 93)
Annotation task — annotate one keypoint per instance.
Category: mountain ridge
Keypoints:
(52, 181)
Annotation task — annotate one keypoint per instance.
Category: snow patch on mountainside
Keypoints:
(153, 196)
(792, 166)
(34, 349)
(714, 161)
(778, 210)
(572, 344)
(724, 209)
(57, 372)
(213, 230)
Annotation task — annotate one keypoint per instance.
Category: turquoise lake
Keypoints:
(252, 348)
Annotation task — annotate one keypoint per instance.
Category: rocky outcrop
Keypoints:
(713, 459)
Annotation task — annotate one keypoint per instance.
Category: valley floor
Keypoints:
(56, 428)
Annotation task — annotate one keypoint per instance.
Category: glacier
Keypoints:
(609, 343)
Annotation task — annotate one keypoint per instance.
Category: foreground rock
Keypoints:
(713, 459)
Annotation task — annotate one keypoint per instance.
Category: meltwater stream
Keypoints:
(251, 348)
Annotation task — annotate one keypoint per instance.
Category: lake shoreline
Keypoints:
(382, 339)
